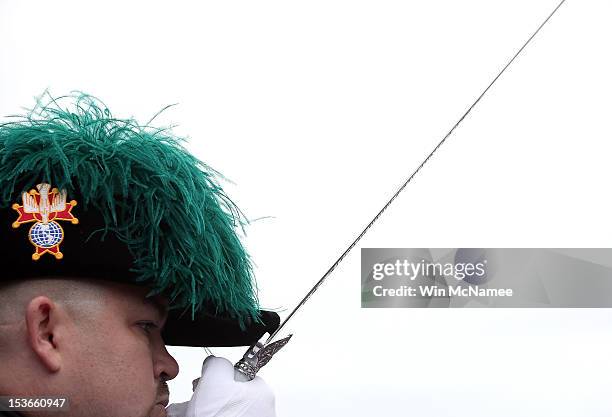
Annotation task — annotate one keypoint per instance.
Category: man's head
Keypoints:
(94, 342)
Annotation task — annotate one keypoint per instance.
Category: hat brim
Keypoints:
(206, 330)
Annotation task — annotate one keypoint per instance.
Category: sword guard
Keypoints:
(258, 356)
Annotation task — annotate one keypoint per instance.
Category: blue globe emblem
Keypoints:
(46, 235)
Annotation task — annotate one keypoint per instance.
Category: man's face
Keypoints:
(118, 362)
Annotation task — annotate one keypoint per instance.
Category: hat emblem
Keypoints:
(45, 207)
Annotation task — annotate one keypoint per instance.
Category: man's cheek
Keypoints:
(129, 363)
(136, 387)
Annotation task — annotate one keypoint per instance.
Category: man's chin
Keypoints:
(158, 411)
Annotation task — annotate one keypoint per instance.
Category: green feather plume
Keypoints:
(165, 204)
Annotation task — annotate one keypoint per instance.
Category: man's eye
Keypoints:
(148, 326)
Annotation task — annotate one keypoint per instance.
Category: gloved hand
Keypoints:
(218, 395)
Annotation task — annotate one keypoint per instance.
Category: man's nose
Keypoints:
(166, 366)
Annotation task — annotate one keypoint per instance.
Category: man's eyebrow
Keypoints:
(161, 307)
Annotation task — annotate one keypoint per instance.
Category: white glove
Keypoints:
(218, 395)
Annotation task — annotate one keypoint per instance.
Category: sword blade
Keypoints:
(407, 181)
(253, 350)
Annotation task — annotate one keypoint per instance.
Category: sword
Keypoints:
(260, 353)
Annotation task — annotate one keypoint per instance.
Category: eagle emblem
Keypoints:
(45, 207)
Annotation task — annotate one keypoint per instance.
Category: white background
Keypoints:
(317, 111)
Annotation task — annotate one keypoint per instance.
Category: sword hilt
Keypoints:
(256, 357)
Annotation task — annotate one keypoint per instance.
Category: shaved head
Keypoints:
(72, 294)
(83, 300)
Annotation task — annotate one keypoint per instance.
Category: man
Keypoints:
(116, 241)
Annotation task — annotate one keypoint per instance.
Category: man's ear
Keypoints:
(42, 319)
